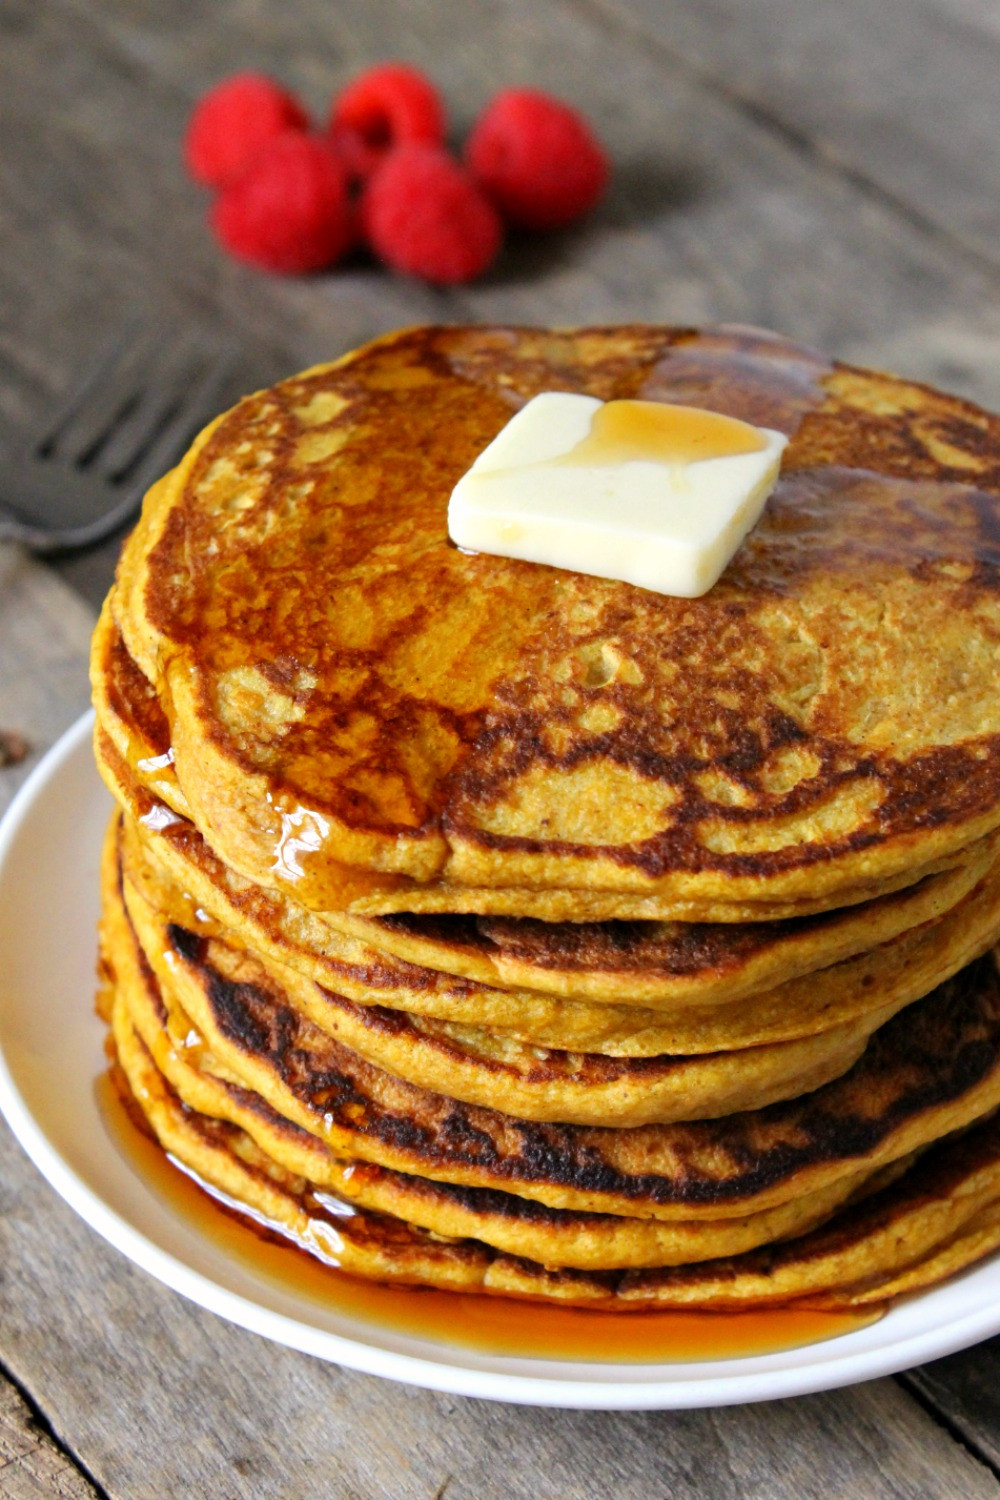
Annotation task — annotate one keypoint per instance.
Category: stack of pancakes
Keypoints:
(482, 925)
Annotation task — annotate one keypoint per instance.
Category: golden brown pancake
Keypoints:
(650, 963)
(481, 1066)
(481, 924)
(914, 1232)
(365, 715)
(927, 1072)
(677, 963)
(203, 1082)
(190, 888)
(136, 758)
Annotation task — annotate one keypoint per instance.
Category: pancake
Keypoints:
(666, 964)
(136, 758)
(479, 1066)
(906, 1236)
(649, 963)
(929, 1071)
(585, 1240)
(185, 883)
(366, 716)
(838, 995)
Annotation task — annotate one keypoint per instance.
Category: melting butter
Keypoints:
(643, 491)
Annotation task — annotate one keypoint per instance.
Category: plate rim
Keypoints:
(593, 1387)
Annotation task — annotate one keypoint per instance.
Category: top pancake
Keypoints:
(659, 964)
(365, 715)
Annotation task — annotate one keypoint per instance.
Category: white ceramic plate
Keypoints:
(51, 1054)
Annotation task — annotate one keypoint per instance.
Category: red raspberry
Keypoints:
(389, 105)
(233, 121)
(358, 158)
(537, 158)
(289, 210)
(424, 215)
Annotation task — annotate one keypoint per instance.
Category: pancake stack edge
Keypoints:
(650, 962)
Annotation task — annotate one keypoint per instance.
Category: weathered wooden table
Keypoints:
(828, 170)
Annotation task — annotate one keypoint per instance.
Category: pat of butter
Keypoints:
(642, 491)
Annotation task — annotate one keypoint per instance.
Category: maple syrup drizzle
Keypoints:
(493, 1325)
(624, 432)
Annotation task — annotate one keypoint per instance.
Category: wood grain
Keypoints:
(965, 1390)
(31, 1465)
(44, 641)
(902, 97)
(160, 1399)
(712, 215)
(830, 171)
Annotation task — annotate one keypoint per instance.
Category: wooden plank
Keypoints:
(712, 216)
(918, 332)
(32, 1467)
(44, 633)
(160, 1398)
(965, 1390)
(903, 97)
